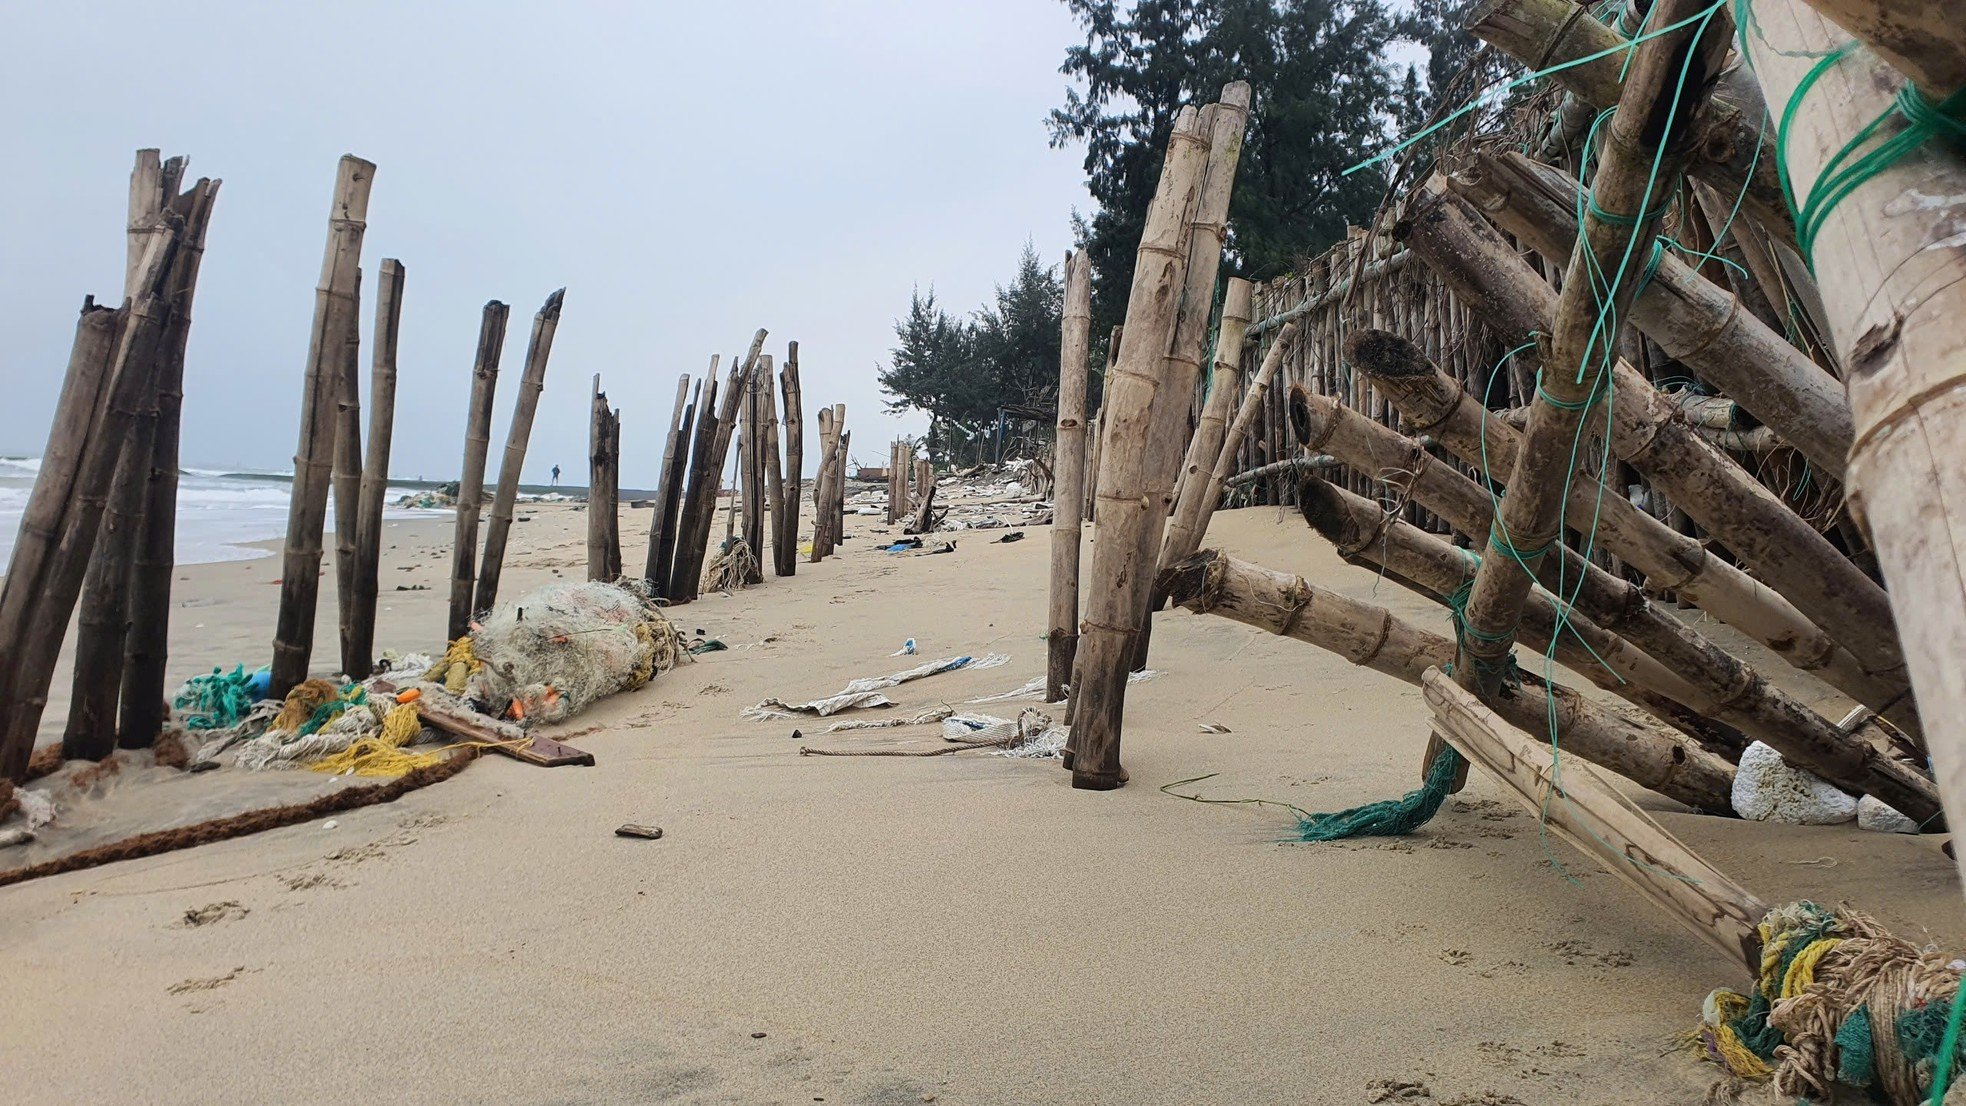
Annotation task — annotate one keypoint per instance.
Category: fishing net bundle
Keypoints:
(734, 563)
(557, 650)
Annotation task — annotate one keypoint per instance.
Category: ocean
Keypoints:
(219, 514)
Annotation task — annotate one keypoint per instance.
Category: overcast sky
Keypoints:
(688, 171)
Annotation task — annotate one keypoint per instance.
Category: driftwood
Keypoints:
(359, 638)
(147, 648)
(1691, 319)
(336, 326)
(822, 486)
(471, 484)
(662, 520)
(785, 554)
(1130, 510)
(1892, 274)
(774, 469)
(1212, 583)
(498, 526)
(1434, 404)
(1595, 818)
(751, 475)
(1068, 493)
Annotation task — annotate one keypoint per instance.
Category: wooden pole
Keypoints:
(1193, 508)
(683, 585)
(840, 461)
(1676, 664)
(336, 327)
(689, 560)
(147, 647)
(545, 322)
(1068, 462)
(1922, 39)
(471, 482)
(598, 506)
(613, 516)
(786, 555)
(1736, 153)
(1130, 507)
(1694, 321)
(664, 495)
(822, 486)
(359, 646)
(1211, 582)
(346, 477)
(1752, 522)
(752, 471)
(1595, 818)
(1434, 404)
(774, 474)
(1893, 280)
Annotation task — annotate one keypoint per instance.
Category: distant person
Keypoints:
(556, 476)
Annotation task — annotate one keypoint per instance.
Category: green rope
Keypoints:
(1597, 394)
(217, 700)
(1859, 160)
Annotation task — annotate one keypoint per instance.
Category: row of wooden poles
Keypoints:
(1887, 295)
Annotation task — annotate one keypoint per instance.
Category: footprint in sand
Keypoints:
(193, 986)
(211, 912)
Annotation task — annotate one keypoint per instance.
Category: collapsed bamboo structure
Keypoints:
(336, 326)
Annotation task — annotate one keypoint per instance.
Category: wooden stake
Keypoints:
(336, 326)
(347, 483)
(471, 482)
(822, 487)
(1922, 39)
(599, 506)
(1193, 508)
(1130, 507)
(786, 553)
(1068, 462)
(1211, 582)
(545, 322)
(1595, 818)
(1691, 319)
(702, 511)
(683, 585)
(662, 528)
(752, 466)
(774, 475)
(359, 644)
(1893, 280)
(147, 647)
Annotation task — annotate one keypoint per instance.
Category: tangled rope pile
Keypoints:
(1839, 1001)
(734, 564)
(217, 700)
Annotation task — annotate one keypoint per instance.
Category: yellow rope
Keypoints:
(455, 668)
(1721, 1008)
(383, 755)
(1802, 970)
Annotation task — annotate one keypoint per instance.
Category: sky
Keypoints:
(689, 172)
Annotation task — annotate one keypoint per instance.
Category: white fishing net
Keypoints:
(558, 649)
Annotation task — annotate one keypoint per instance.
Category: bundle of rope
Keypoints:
(1841, 1002)
(217, 700)
(455, 667)
(383, 754)
(733, 565)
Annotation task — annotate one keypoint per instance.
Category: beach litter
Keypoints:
(865, 692)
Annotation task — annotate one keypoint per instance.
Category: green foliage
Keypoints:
(1326, 97)
(959, 371)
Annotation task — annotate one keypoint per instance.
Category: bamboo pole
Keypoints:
(1643, 146)
(1130, 511)
(613, 516)
(752, 469)
(786, 555)
(471, 481)
(1211, 582)
(1434, 404)
(1754, 524)
(1922, 39)
(358, 654)
(1691, 319)
(774, 475)
(822, 485)
(1192, 508)
(840, 462)
(1675, 664)
(147, 647)
(662, 528)
(1893, 280)
(683, 583)
(703, 509)
(1736, 150)
(539, 347)
(346, 477)
(1068, 490)
(336, 326)
(598, 504)
(1595, 818)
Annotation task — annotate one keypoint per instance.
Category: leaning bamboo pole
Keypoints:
(147, 648)
(683, 584)
(1752, 522)
(346, 478)
(471, 482)
(336, 326)
(1193, 508)
(1130, 509)
(785, 554)
(1893, 279)
(1595, 818)
(1253, 402)
(662, 528)
(1736, 153)
(359, 643)
(1434, 404)
(1211, 582)
(498, 525)
(1693, 321)
(703, 508)
(1068, 489)
(1674, 663)
(1643, 146)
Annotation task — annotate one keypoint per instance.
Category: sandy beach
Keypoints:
(957, 929)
